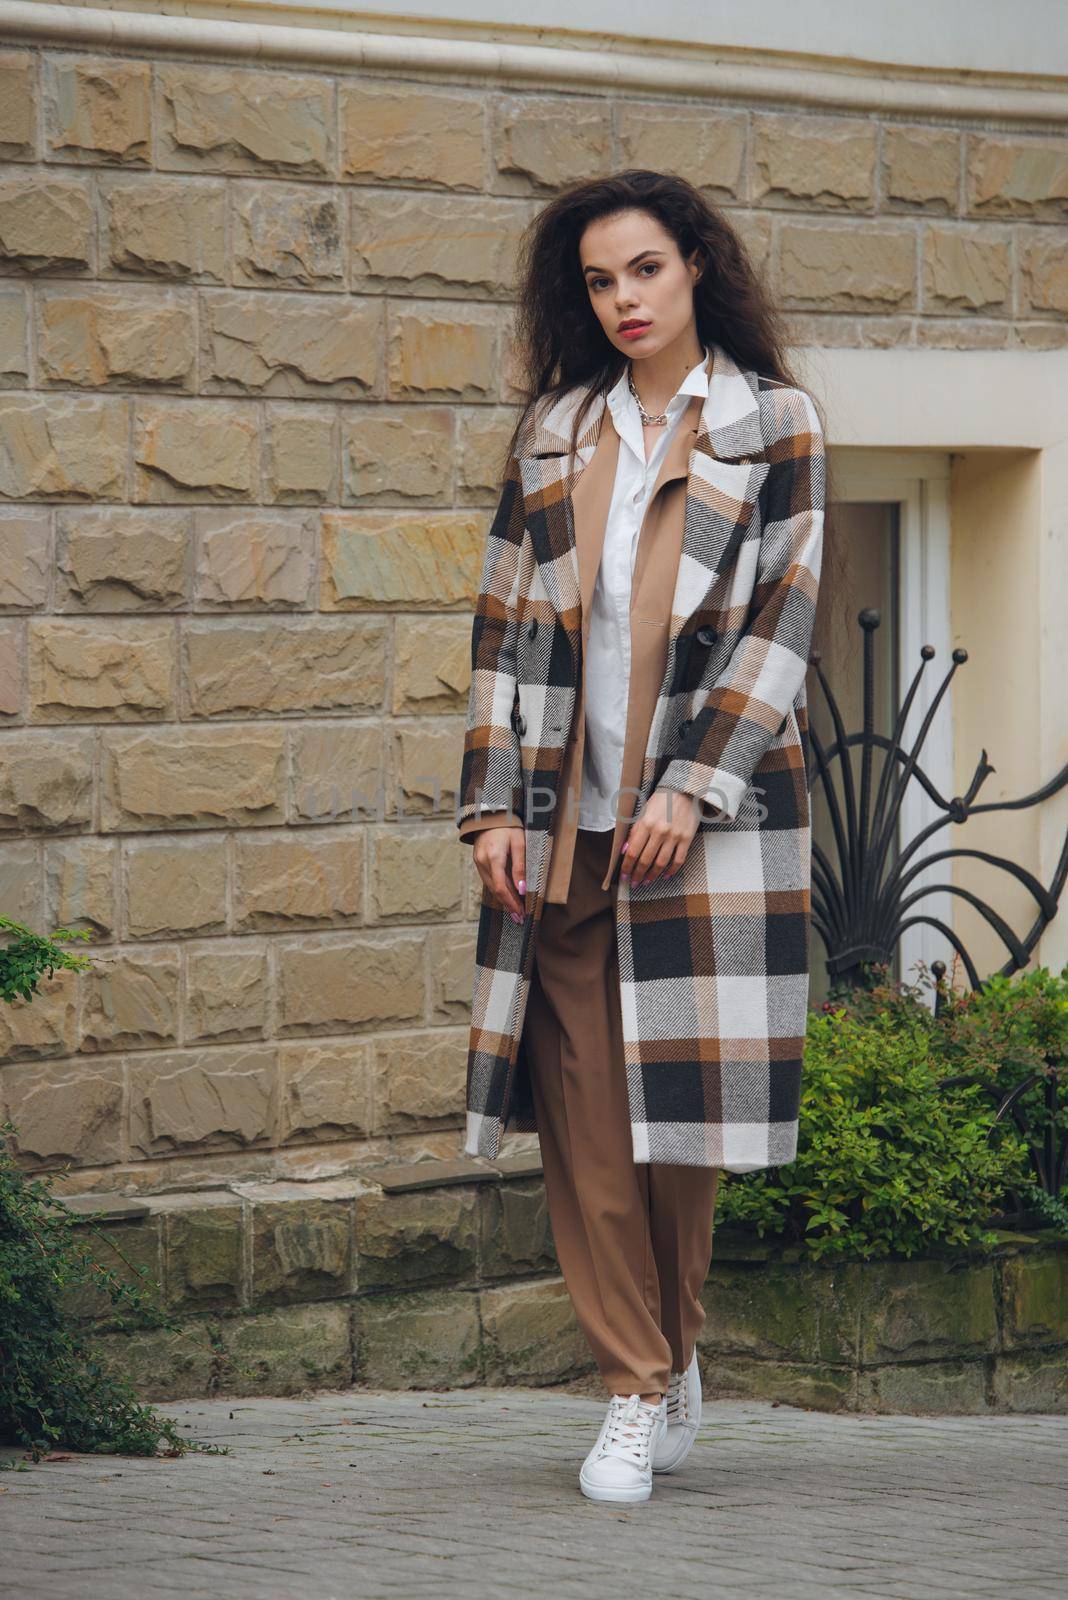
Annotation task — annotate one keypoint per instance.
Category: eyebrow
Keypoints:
(631, 263)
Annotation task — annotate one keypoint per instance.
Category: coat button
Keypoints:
(707, 635)
(521, 724)
(684, 728)
(532, 630)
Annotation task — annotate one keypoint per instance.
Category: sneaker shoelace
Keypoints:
(677, 1397)
(629, 1428)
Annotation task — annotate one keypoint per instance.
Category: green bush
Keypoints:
(53, 1389)
(890, 1159)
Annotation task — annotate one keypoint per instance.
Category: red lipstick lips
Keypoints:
(632, 329)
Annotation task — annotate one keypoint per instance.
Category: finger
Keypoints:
(645, 860)
(502, 888)
(519, 861)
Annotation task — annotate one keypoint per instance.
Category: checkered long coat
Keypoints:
(713, 961)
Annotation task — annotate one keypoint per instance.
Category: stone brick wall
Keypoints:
(254, 346)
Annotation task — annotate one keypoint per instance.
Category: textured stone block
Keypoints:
(926, 1310)
(326, 1091)
(193, 779)
(119, 338)
(338, 771)
(302, 880)
(414, 874)
(300, 456)
(829, 161)
(166, 227)
(431, 665)
(285, 1350)
(14, 331)
(374, 560)
(422, 1341)
(1009, 175)
(420, 1079)
(921, 167)
(517, 1235)
(200, 450)
(840, 268)
(25, 558)
(1044, 273)
(131, 1000)
(82, 877)
(225, 119)
(159, 1365)
(966, 269)
(818, 1388)
(22, 882)
(46, 224)
(97, 109)
(91, 671)
(175, 887)
(202, 1250)
(255, 559)
(210, 1099)
(938, 1388)
(548, 141)
(411, 133)
(132, 1252)
(442, 352)
(426, 766)
(1035, 1297)
(18, 84)
(122, 559)
(421, 1237)
(64, 1110)
(46, 781)
(531, 1334)
(301, 1250)
(290, 344)
(397, 453)
(288, 237)
(227, 996)
(453, 964)
(426, 243)
(782, 1312)
(12, 656)
(62, 446)
(330, 983)
(1032, 1382)
(274, 665)
(714, 140)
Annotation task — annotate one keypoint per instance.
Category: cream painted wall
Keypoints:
(1003, 415)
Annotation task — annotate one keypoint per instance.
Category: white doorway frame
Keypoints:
(917, 482)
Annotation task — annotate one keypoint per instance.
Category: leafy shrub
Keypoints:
(890, 1160)
(53, 1389)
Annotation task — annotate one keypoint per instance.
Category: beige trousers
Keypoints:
(634, 1240)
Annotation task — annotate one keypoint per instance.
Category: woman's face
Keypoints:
(635, 273)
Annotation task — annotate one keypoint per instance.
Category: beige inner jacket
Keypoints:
(652, 590)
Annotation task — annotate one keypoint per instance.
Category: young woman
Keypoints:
(634, 773)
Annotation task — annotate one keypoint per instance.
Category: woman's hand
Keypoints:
(659, 838)
(501, 858)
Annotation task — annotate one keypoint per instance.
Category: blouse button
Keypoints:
(707, 635)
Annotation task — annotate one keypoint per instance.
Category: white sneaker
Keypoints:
(619, 1467)
(682, 1403)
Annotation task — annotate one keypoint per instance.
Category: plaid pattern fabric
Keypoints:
(714, 962)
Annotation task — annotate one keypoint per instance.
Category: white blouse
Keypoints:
(608, 647)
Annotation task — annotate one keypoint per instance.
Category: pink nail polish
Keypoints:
(522, 886)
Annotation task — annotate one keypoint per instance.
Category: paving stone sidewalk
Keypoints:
(472, 1494)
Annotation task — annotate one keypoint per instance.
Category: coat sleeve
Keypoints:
(491, 774)
(715, 760)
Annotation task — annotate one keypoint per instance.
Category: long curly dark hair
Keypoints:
(560, 344)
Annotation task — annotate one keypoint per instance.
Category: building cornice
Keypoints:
(696, 73)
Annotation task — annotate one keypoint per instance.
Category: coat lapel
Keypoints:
(720, 497)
